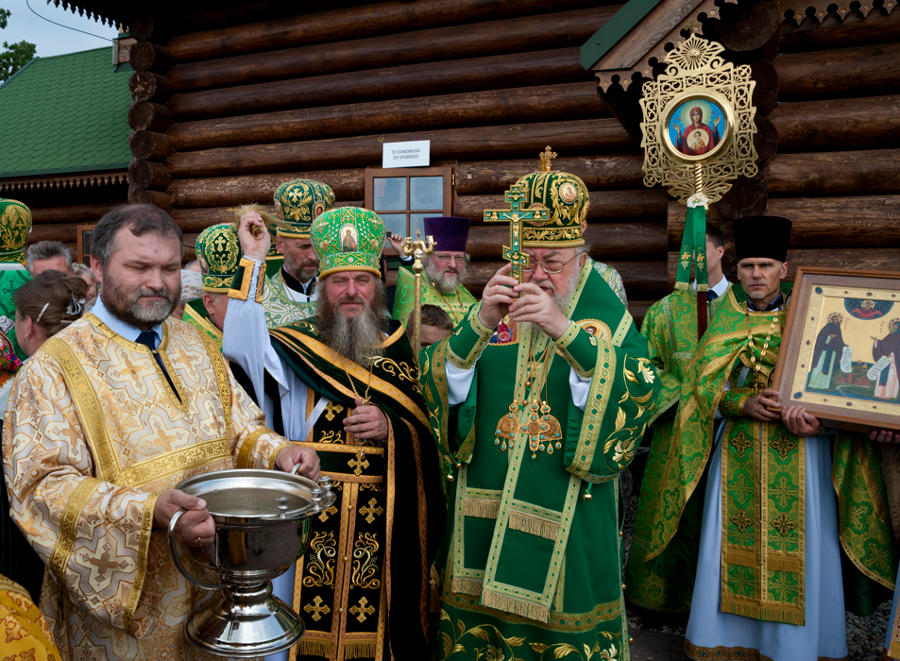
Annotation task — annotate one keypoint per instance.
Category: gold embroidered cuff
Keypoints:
(240, 286)
(733, 401)
(468, 339)
(579, 348)
(245, 454)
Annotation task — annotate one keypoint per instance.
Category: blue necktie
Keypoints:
(711, 295)
(148, 339)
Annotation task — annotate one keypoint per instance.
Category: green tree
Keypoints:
(13, 56)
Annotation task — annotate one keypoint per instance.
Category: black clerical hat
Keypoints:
(762, 236)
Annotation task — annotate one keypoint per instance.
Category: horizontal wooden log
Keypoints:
(350, 23)
(610, 204)
(232, 191)
(523, 104)
(149, 116)
(869, 69)
(826, 222)
(196, 220)
(877, 27)
(149, 86)
(481, 177)
(149, 145)
(70, 213)
(857, 122)
(597, 172)
(835, 173)
(597, 135)
(608, 240)
(886, 259)
(65, 232)
(148, 174)
(469, 74)
(156, 198)
(554, 30)
(149, 56)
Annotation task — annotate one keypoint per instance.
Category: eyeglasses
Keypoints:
(551, 266)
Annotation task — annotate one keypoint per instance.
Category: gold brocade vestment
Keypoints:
(93, 434)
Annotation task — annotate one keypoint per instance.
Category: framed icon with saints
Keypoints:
(840, 356)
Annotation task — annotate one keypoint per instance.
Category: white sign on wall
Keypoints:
(410, 154)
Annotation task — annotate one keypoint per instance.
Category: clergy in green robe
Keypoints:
(445, 270)
(664, 583)
(540, 397)
(290, 292)
(219, 253)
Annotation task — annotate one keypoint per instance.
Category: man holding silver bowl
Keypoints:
(104, 420)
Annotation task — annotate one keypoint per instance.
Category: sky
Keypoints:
(52, 39)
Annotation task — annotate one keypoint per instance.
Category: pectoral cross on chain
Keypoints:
(515, 216)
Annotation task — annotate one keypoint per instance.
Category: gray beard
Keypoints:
(358, 339)
(443, 283)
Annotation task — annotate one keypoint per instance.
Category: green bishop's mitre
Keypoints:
(567, 199)
(15, 226)
(298, 203)
(219, 253)
(348, 239)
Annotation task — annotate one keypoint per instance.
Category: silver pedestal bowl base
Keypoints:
(234, 621)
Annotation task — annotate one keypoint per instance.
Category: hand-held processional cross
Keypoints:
(515, 216)
(417, 249)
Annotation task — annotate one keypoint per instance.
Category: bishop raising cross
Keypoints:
(515, 216)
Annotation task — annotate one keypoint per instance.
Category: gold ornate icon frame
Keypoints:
(698, 77)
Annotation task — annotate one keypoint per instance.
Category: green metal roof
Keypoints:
(64, 114)
(614, 29)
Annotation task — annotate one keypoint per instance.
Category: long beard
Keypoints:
(358, 339)
(445, 283)
(564, 295)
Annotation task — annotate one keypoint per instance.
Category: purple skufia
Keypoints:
(450, 232)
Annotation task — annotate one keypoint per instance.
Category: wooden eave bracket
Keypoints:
(645, 44)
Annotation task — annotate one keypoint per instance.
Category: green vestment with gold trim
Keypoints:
(280, 309)
(196, 315)
(456, 304)
(534, 562)
(759, 486)
(665, 582)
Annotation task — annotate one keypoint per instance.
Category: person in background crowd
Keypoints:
(84, 272)
(445, 270)
(48, 255)
(661, 569)
(44, 306)
(434, 326)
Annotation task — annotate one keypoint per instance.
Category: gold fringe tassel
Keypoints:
(312, 647)
(533, 525)
(359, 650)
(481, 508)
(507, 604)
(465, 585)
(783, 614)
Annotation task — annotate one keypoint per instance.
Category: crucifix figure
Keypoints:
(515, 216)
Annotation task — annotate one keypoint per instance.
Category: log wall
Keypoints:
(222, 116)
(224, 113)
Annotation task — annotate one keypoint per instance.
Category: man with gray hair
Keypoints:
(48, 255)
(104, 420)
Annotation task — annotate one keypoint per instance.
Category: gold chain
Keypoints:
(755, 364)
